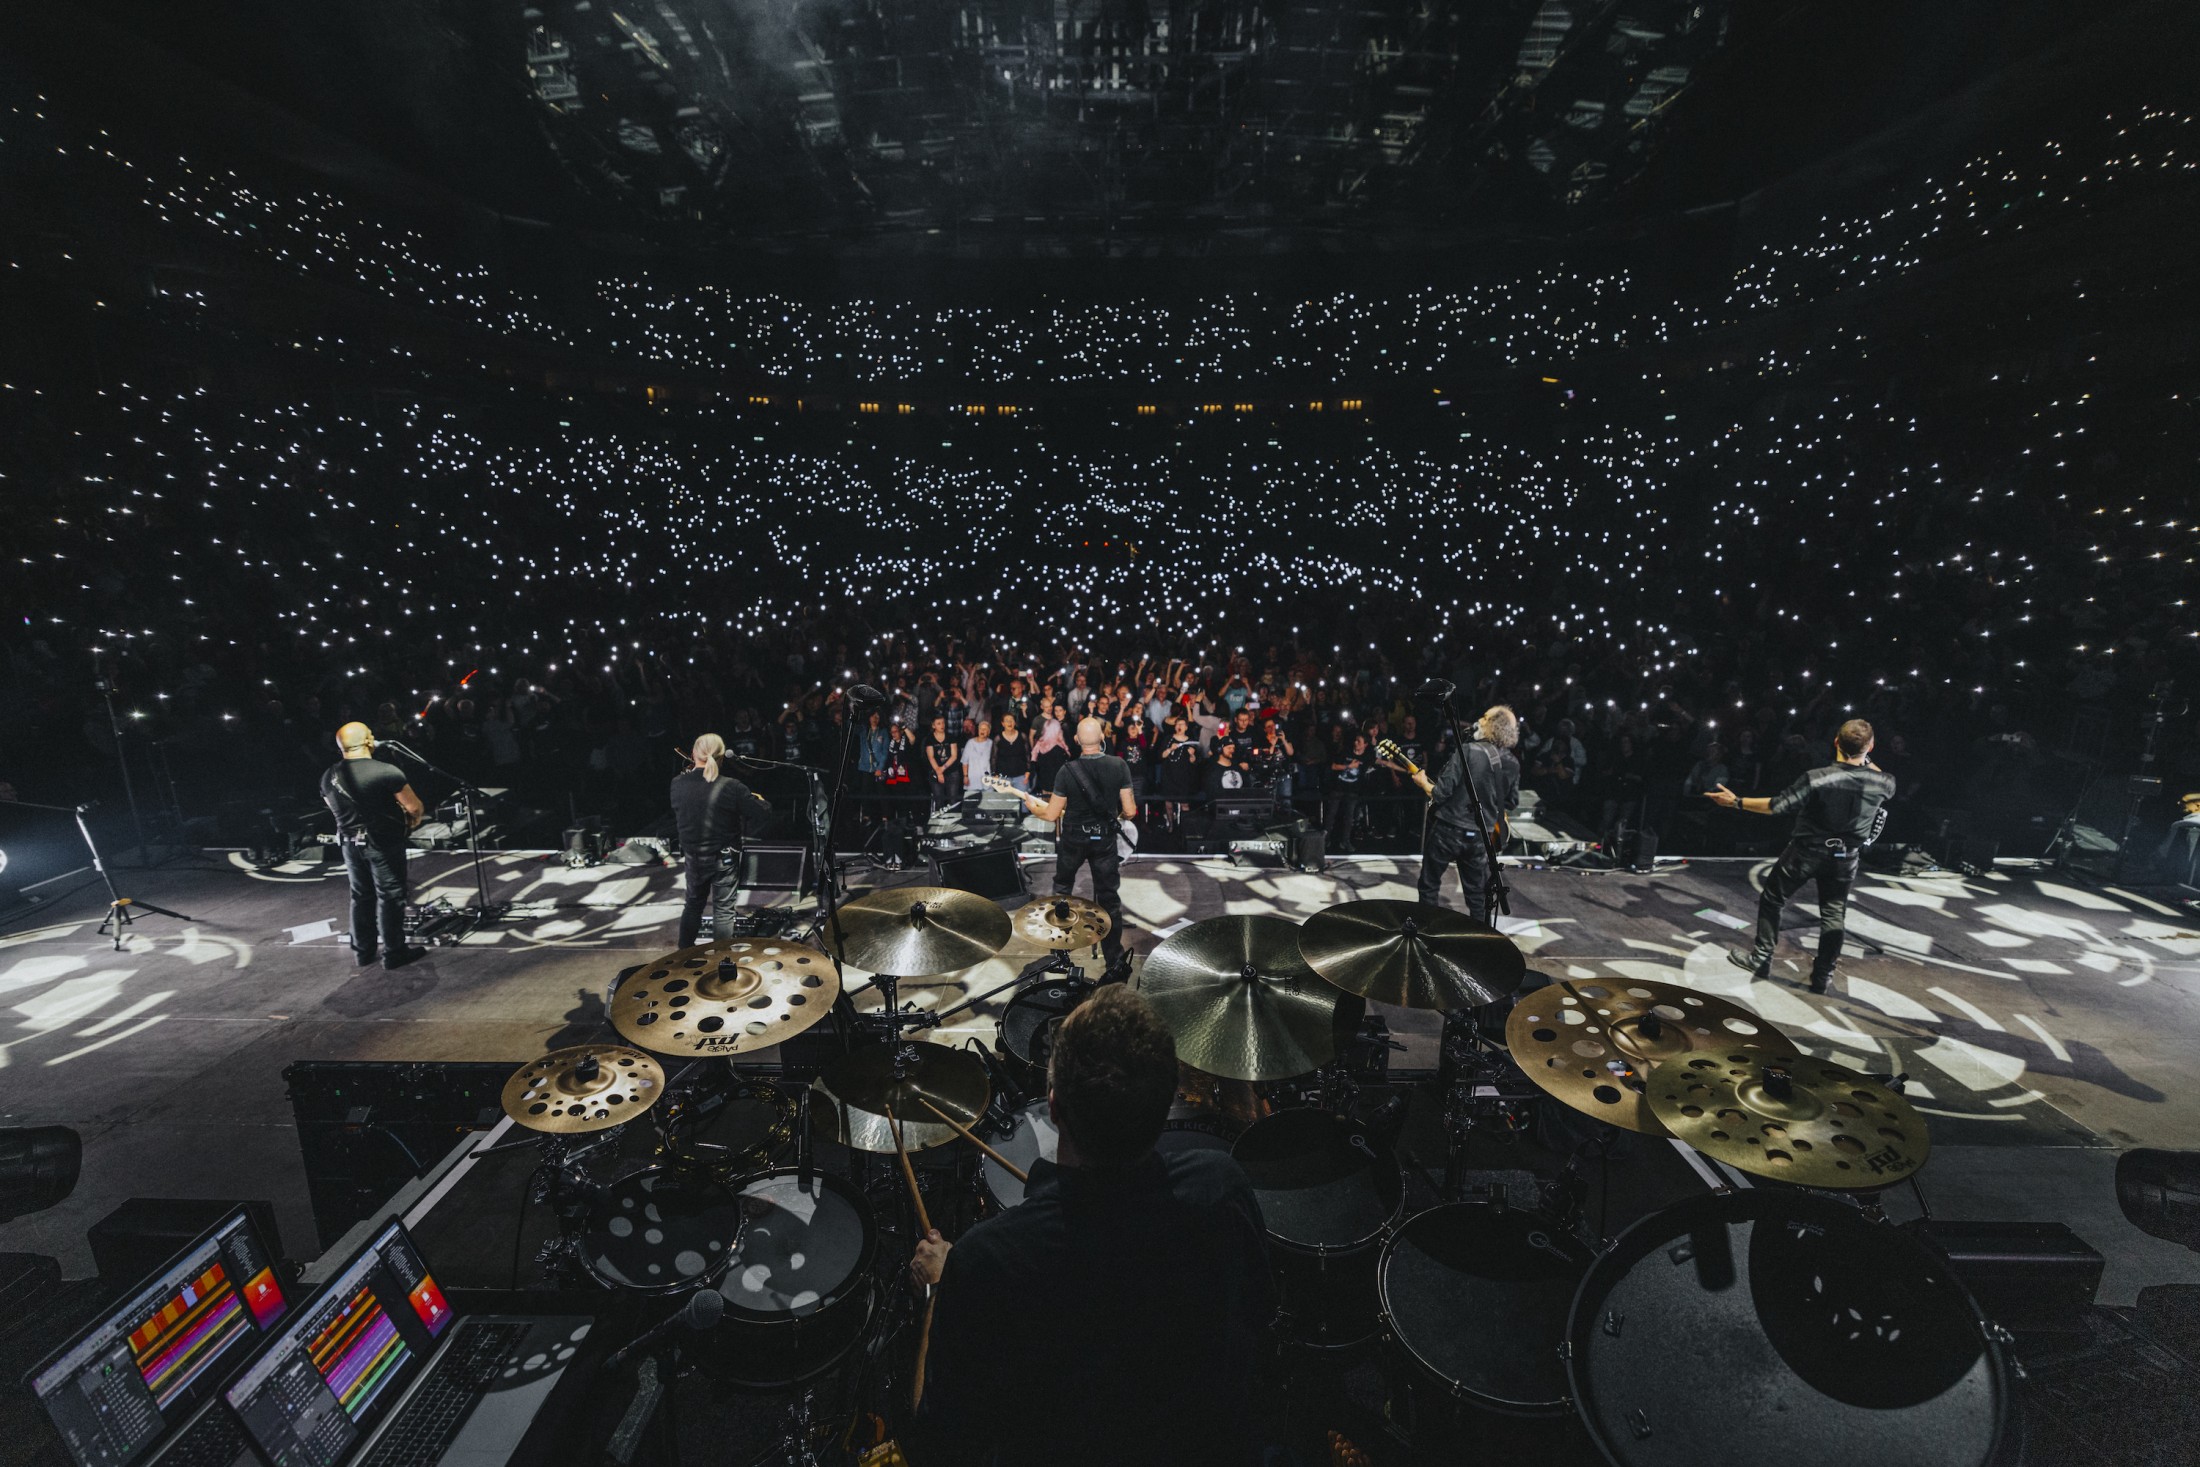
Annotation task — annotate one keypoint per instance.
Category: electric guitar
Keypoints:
(1126, 836)
(1388, 749)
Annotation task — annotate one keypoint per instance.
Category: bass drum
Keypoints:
(658, 1232)
(1329, 1198)
(1027, 1029)
(798, 1287)
(1784, 1327)
(1474, 1302)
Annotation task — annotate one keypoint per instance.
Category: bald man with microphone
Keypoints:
(375, 808)
(1091, 800)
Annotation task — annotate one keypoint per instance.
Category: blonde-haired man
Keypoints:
(375, 807)
(708, 806)
(1484, 772)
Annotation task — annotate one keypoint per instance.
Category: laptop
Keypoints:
(139, 1386)
(379, 1371)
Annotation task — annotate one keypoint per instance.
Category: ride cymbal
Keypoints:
(1590, 1042)
(1411, 954)
(1806, 1121)
(1059, 923)
(590, 1087)
(1241, 1001)
(861, 1087)
(725, 997)
(917, 931)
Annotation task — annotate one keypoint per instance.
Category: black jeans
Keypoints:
(1107, 882)
(1340, 810)
(717, 882)
(1834, 871)
(1444, 846)
(376, 875)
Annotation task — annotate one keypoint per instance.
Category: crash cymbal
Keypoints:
(1241, 1001)
(1412, 954)
(1801, 1120)
(900, 1076)
(916, 931)
(590, 1087)
(1060, 923)
(725, 997)
(1588, 1042)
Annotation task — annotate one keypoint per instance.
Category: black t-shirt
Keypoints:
(1155, 1280)
(1496, 780)
(1012, 757)
(1243, 744)
(708, 814)
(948, 753)
(1838, 802)
(362, 795)
(1089, 786)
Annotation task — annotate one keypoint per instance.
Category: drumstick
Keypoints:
(924, 1226)
(964, 1131)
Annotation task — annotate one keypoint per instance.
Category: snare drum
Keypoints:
(1474, 1302)
(1328, 1197)
(1031, 1138)
(798, 1287)
(656, 1232)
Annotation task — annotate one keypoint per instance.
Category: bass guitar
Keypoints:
(1126, 831)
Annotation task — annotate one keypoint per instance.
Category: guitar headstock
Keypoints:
(1389, 750)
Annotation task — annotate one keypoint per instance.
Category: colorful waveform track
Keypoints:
(358, 1352)
(188, 1333)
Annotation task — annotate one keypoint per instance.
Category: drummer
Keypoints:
(1091, 800)
(1114, 1317)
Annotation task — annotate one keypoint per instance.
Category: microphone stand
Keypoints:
(1494, 882)
(484, 910)
(828, 880)
(119, 907)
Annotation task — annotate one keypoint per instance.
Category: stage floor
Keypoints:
(2043, 1024)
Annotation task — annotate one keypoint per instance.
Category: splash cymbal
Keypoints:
(1800, 1120)
(917, 931)
(1240, 1000)
(1412, 954)
(590, 1087)
(1060, 923)
(1590, 1042)
(727, 997)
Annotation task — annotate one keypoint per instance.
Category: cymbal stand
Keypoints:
(572, 1194)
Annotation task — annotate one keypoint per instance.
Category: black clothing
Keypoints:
(1152, 1283)
(1012, 757)
(1092, 818)
(375, 872)
(1844, 803)
(1496, 776)
(1445, 846)
(1179, 769)
(362, 795)
(1841, 808)
(707, 814)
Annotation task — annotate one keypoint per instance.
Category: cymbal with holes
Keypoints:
(728, 997)
(1807, 1121)
(1412, 954)
(1059, 923)
(590, 1087)
(917, 931)
(1591, 1042)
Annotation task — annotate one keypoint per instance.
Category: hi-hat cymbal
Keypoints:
(1801, 1120)
(1060, 923)
(1591, 1042)
(916, 931)
(900, 1076)
(1240, 1000)
(1412, 954)
(590, 1087)
(725, 997)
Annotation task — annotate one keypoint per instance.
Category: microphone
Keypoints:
(1436, 690)
(702, 1311)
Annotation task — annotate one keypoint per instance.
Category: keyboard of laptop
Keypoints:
(431, 1420)
(214, 1440)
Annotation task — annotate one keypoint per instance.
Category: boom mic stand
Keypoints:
(1442, 694)
(483, 909)
(120, 909)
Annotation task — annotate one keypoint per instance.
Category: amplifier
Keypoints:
(990, 871)
(2028, 1277)
(771, 867)
(145, 1232)
(367, 1127)
(1264, 850)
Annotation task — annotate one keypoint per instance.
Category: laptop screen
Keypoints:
(138, 1375)
(335, 1369)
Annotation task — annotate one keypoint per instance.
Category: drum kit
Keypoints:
(1513, 1322)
